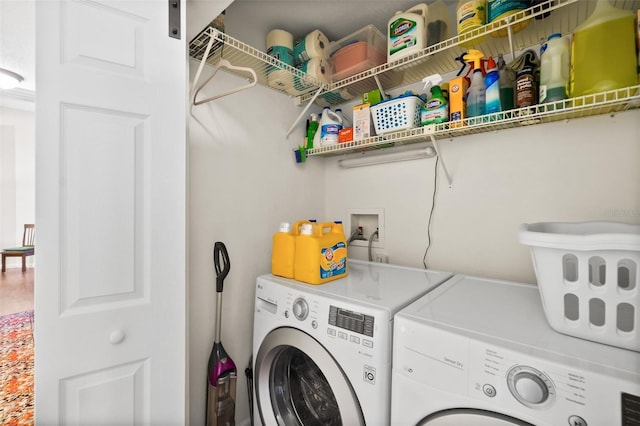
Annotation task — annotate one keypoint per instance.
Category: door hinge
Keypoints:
(174, 19)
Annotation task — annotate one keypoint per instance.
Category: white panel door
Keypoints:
(110, 213)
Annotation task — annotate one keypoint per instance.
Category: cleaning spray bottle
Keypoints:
(436, 109)
(314, 123)
(492, 87)
(507, 82)
(477, 90)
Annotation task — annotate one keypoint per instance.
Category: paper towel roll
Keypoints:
(279, 38)
(280, 46)
(313, 45)
(280, 79)
(320, 68)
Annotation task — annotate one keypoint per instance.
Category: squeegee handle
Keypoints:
(222, 264)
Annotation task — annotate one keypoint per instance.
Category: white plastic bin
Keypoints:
(400, 113)
(588, 276)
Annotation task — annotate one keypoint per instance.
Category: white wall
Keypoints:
(579, 170)
(17, 172)
(243, 183)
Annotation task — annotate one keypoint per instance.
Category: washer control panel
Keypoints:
(350, 320)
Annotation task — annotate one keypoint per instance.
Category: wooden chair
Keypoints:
(27, 248)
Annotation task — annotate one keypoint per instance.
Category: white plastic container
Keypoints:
(330, 125)
(359, 51)
(555, 63)
(397, 114)
(589, 278)
(407, 32)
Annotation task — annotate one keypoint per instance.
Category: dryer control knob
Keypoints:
(300, 309)
(530, 387)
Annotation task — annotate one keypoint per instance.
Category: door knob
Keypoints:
(116, 336)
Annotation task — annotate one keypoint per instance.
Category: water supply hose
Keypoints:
(375, 234)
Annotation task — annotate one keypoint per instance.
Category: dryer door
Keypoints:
(292, 387)
(470, 417)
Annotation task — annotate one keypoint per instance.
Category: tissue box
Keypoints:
(362, 123)
(345, 135)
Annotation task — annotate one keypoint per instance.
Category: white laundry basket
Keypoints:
(588, 277)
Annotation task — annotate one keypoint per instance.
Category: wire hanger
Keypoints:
(222, 63)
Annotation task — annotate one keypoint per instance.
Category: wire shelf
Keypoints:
(584, 106)
(440, 58)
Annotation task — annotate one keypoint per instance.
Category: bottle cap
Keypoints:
(285, 227)
(491, 64)
(554, 35)
(307, 229)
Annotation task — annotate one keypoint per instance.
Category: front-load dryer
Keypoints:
(322, 353)
(480, 352)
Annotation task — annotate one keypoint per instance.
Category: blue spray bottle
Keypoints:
(492, 88)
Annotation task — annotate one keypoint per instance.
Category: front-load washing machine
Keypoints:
(322, 353)
(480, 352)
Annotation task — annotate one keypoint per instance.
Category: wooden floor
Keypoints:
(16, 290)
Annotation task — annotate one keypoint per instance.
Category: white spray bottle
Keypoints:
(436, 109)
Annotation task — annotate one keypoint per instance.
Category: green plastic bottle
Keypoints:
(603, 52)
(314, 122)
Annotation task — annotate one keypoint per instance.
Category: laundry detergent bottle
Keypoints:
(407, 32)
(320, 253)
(330, 125)
(554, 69)
(283, 251)
(603, 52)
(470, 15)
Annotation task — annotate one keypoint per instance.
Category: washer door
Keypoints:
(470, 417)
(292, 387)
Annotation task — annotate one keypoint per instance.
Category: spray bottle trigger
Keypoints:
(431, 80)
(463, 62)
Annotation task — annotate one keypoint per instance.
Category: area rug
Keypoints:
(16, 369)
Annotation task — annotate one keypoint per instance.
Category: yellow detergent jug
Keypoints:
(471, 15)
(283, 251)
(320, 253)
(603, 52)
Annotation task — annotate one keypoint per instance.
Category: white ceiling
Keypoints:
(17, 39)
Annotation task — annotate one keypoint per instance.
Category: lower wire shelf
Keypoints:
(584, 106)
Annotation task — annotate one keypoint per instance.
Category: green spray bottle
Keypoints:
(436, 109)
